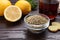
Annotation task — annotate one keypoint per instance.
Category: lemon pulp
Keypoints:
(12, 13)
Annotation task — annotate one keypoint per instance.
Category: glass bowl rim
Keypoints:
(36, 14)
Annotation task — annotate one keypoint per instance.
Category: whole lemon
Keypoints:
(3, 5)
(25, 6)
(22, 0)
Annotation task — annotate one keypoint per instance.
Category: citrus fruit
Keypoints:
(25, 6)
(20, 0)
(3, 5)
(12, 13)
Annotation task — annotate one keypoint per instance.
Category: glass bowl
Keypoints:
(40, 28)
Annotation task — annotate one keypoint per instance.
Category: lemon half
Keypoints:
(12, 13)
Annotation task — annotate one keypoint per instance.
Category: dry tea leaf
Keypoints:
(36, 20)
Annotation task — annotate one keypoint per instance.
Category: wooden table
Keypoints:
(18, 30)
